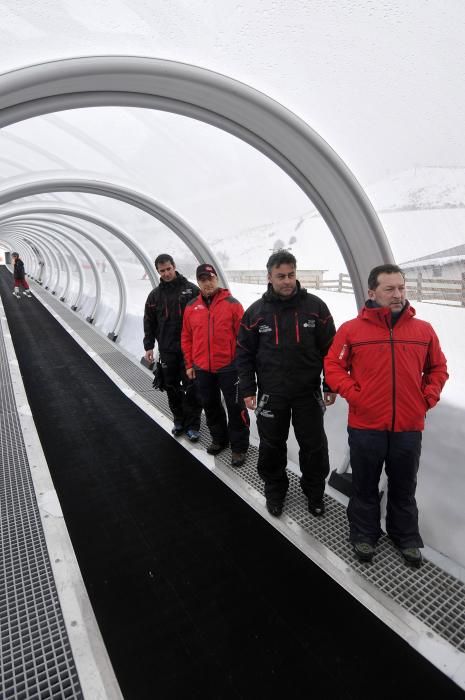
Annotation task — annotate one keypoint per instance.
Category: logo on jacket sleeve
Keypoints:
(310, 323)
(264, 328)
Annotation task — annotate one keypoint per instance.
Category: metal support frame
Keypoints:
(30, 254)
(48, 231)
(33, 271)
(29, 186)
(222, 102)
(29, 230)
(42, 182)
(60, 256)
(44, 252)
(24, 249)
(60, 226)
(53, 255)
(9, 213)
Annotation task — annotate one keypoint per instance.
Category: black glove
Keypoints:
(159, 378)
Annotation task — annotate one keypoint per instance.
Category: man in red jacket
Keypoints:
(208, 341)
(389, 367)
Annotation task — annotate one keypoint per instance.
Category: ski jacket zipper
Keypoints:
(297, 333)
(209, 346)
(393, 364)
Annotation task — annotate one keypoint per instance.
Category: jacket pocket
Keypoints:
(353, 398)
(430, 401)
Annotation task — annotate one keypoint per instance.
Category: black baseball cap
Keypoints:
(206, 270)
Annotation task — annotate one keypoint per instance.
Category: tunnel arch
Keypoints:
(9, 213)
(28, 230)
(46, 182)
(60, 227)
(53, 236)
(228, 104)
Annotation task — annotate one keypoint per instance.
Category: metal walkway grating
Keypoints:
(36, 659)
(429, 593)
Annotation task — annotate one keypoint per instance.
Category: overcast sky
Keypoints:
(382, 82)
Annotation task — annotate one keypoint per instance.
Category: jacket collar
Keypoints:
(271, 296)
(381, 315)
(170, 285)
(221, 294)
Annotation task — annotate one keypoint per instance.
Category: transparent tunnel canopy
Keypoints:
(381, 83)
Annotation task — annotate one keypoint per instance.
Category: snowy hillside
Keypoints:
(422, 211)
(420, 188)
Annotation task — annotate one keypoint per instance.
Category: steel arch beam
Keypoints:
(116, 269)
(59, 225)
(24, 250)
(49, 267)
(51, 242)
(225, 103)
(34, 264)
(44, 250)
(36, 148)
(58, 253)
(43, 182)
(55, 256)
(47, 248)
(31, 185)
(48, 232)
(10, 212)
(31, 258)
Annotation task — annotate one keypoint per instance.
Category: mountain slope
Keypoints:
(422, 210)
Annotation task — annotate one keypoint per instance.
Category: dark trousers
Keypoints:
(182, 395)
(235, 429)
(400, 452)
(273, 428)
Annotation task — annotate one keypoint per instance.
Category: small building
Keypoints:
(437, 277)
(449, 264)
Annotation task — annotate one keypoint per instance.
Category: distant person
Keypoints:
(389, 367)
(163, 315)
(19, 276)
(282, 341)
(209, 333)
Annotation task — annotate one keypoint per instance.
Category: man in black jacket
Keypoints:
(164, 310)
(282, 341)
(19, 276)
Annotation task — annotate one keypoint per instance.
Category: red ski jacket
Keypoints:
(389, 375)
(209, 331)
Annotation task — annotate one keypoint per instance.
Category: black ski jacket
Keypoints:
(163, 314)
(18, 271)
(282, 343)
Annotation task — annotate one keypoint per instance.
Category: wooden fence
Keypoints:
(438, 289)
(419, 288)
(342, 284)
